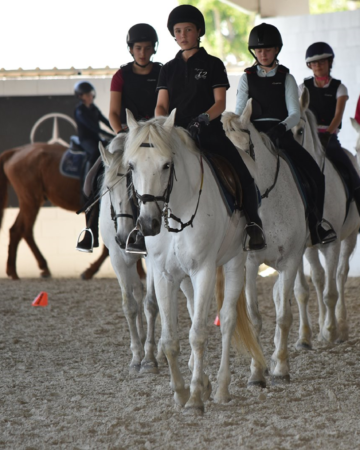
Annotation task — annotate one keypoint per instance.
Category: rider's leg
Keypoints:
(308, 165)
(217, 143)
(338, 157)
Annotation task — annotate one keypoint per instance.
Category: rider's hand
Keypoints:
(196, 126)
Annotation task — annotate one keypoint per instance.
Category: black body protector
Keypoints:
(139, 92)
(323, 101)
(268, 94)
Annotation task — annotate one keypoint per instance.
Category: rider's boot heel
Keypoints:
(91, 236)
(254, 237)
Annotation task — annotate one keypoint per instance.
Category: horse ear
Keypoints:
(305, 99)
(245, 116)
(170, 121)
(105, 155)
(355, 124)
(130, 119)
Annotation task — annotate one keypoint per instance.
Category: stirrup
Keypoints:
(331, 232)
(82, 249)
(133, 251)
(246, 246)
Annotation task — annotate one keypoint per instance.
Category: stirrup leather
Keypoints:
(80, 249)
(137, 252)
(247, 237)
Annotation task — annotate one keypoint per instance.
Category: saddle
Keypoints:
(73, 161)
(228, 180)
(346, 181)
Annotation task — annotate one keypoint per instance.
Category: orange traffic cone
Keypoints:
(41, 299)
(217, 321)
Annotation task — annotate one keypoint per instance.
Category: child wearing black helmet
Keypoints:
(195, 83)
(276, 109)
(328, 97)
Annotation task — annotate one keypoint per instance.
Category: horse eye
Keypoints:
(300, 132)
(166, 166)
(131, 167)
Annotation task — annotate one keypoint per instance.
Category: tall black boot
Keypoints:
(357, 198)
(91, 236)
(254, 224)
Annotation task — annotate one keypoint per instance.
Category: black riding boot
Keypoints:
(254, 225)
(91, 237)
(357, 198)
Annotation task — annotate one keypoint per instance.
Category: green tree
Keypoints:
(326, 6)
(227, 31)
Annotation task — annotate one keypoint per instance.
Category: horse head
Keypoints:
(114, 180)
(148, 156)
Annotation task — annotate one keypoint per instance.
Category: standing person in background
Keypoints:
(357, 112)
(328, 97)
(276, 109)
(88, 117)
(195, 83)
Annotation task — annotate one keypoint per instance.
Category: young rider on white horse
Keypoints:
(195, 83)
(276, 110)
(328, 97)
(133, 87)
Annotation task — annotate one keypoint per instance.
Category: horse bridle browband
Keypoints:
(166, 211)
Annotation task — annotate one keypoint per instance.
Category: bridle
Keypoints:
(113, 214)
(166, 212)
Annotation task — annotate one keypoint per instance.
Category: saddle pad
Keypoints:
(72, 164)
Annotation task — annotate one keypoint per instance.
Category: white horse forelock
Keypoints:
(166, 141)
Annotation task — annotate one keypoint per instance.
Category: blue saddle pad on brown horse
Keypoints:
(73, 161)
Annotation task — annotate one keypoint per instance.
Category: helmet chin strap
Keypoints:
(142, 65)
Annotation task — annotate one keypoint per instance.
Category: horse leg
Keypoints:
(301, 291)
(347, 247)
(128, 278)
(95, 266)
(204, 284)
(282, 292)
(166, 292)
(257, 374)
(15, 235)
(149, 363)
(318, 279)
(329, 331)
(234, 283)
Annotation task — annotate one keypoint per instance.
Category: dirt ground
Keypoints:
(65, 383)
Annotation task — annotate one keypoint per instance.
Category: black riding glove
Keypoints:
(277, 132)
(324, 139)
(196, 126)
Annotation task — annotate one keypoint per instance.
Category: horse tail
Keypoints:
(5, 156)
(244, 334)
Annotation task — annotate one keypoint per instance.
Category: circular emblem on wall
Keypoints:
(55, 137)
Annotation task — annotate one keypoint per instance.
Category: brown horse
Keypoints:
(33, 172)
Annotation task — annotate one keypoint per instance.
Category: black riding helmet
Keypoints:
(83, 87)
(264, 36)
(318, 51)
(142, 32)
(186, 13)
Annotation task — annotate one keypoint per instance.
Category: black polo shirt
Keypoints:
(190, 84)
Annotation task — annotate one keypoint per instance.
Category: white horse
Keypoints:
(116, 222)
(176, 189)
(329, 284)
(283, 215)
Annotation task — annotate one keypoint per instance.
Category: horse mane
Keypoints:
(310, 116)
(166, 140)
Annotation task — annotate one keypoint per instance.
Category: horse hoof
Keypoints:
(280, 380)
(134, 369)
(303, 346)
(45, 275)
(182, 396)
(222, 399)
(256, 384)
(85, 276)
(149, 367)
(194, 410)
